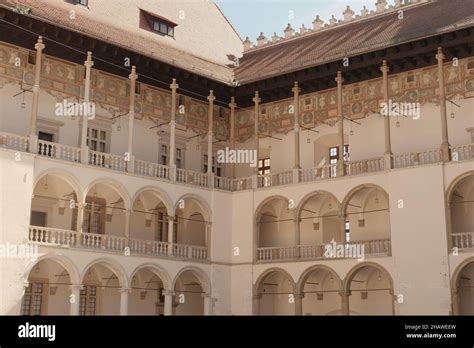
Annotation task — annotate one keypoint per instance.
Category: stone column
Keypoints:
(75, 300)
(170, 234)
(388, 156)
(445, 152)
(207, 304)
(80, 217)
(297, 221)
(299, 304)
(296, 126)
(256, 304)
(210, 132)
(128, 221)
(33, 137)
(232, 106)
(131, 117)
(340, 117)
(174, 86)
(124, 292)
(455, 301)
(345, 302)
(84, 120)
(256, 101)
(208, 240)
(169, 294)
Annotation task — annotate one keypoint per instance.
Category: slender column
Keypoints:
(256, 304)
(80, 217)
(210, 133)
(87, 93)
(168, 310)
(388, 144)
(340, 117)
(170, 234)
(207, 304)
(174, 86)
(445, 153)
(33, 141)
(208, 240)
(296, 127)
(124, 292)
(131, 117)
(232, 106)
(127, 226)
(297, 236)
(299, 304)
(75, 300)
(345, 302)
(256, 101)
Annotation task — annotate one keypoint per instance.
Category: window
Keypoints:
(46, 136)
(216, 167)
(88, 301)
(161, 227)
(138, 88)
(161, 27)
(264, 166)
(164, 155)
(97, 139)
(38, 218)
(334, 157)
(82, 2)
(94, 216)
(32, 58)
(32, 299)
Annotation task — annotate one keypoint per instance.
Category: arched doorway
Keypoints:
(461, 210)
(370, 290)
(275, 294)
(463, 299)
(147, 296)
(48, 290)
(192, 293)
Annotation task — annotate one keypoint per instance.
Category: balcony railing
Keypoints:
(72, 239)
(380, 247)
(150, 169)
(463, 240)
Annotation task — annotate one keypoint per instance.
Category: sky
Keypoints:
(250, 17)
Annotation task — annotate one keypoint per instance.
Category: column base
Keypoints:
(296, 175)
(445, 152)
(33, 143)
(210, 180)
(131, 164)
(173, 172)
(84, 154)
(388, 161)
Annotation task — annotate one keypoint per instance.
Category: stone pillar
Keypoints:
(80, 217)
(299, 304)
(296, 127)
(207, 304)
(124, 292)
(297, 221)
(256, 101)
(256, 304)
(169, 294)
(131, 117)
(84, 120)
(455, 301)
(170, 234)
(33, 137)
(210, 133)
(208, 240)
(445, 152)
(232, 106)
(174, 86)
(340, 118)
(388, 156)
(75, 299)
(345, 302)
(128, 221)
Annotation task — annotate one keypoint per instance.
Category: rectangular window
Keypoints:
(164, 154)
(334, 157)
(179, 158)
(94, 216)
(216, 167)
(163, 28)
(38, 218)
(82, 2)
(88, 301)
(32, 299)
(264, 166)
(97, 139)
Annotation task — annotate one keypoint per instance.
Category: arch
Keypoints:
(455, 182)
(201, 202)
(157, 270)
(259, 282)
(62, 260)
(309, 196)
(353, 271)
(113, 266)
(68, 177)
(160, 194)
(304, 276)
(356, 189)
(263, 203)
(457, 272)
(115, 185)
(199, 274)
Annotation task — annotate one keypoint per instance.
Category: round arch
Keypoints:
(259, 282)
(309, 196)
(304, 276)
(199, 274)
(160, 194)
(157, 270)
(115, 185)
(113, 266)
(455, 182)
(263, 203)
(346, 285)
(356, 189)
(201, 202)
(62, 260)
(68, 177)
(457, 272)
